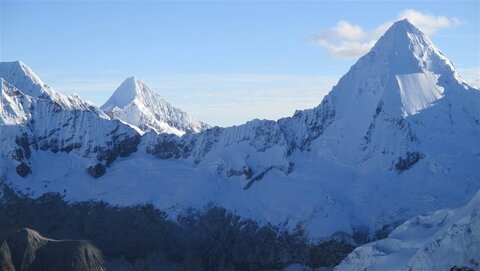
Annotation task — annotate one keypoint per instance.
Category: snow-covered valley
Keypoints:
(397, 137)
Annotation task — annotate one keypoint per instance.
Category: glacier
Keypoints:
(440, 240)
(395, 138)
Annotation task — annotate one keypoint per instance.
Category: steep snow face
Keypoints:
(22, 77)
(11, 108)
(428, 92)
(437, 241)
(377, 102)
(401, 118)
(135, 103)
(30, 124)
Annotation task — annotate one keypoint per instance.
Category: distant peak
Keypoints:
(22, 77)
(14, 63)
(131, 88)
(132, 79)
(403, 22)
(404, 26)
(404, 46)
(19, 66)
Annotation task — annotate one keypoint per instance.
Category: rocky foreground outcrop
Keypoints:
(143, 238)
(27, 250)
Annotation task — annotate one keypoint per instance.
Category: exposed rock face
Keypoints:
(6, 263)
(396, 137)
(27, 250)
(143, 238)
(409, 161)
(23, 169)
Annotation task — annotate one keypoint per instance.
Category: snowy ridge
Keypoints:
(400, 118)
(11, 106)
(41, 124)
(135, 103)
(437, 241)
(403, 74)
(22, 77)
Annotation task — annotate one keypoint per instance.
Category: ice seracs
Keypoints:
(135, 103)
(437, 241)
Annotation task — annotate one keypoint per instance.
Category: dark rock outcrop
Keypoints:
(142, 237)
(97, 171)
(411, 158)
(27, 250)
(6, 263)
(23, 169)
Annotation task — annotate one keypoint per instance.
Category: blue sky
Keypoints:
(223, 62)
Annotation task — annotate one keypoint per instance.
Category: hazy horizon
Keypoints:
(265, 60)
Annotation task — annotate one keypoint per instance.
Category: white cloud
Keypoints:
(471, 75)
(219, 99)
(426, 22)
(242, 97)
(346, 49)
(343, 30)
(350, 41)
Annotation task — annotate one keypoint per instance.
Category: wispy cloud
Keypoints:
(226, 99)
(428, 23)
(343, 30)
(471, 75)
(219, 99)
(346, 49)
(347, 40)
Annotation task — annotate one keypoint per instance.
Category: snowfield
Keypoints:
(397, 137)
(437, 241)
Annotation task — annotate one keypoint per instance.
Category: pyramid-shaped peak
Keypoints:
(132, 79)
(132, 84)
(18, 64)
(404, 72)
(17, 72)
(131, 88)
(22, 77)
(403, 25)
(135, 103)
(403, 35)
(404, 48)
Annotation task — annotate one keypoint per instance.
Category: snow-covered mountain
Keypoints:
(38, 118)
(395, 138)
(437, 241)
(22, 77)
(135, 103)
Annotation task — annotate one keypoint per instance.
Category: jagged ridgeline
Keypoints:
(395, 138)
(143, 238)
(135, 103)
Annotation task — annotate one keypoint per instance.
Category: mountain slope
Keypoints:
(388, 91)
(22, 77)
(401, 118)
(135, 103)
(55, 123)
(437, 241)
(27, 250)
